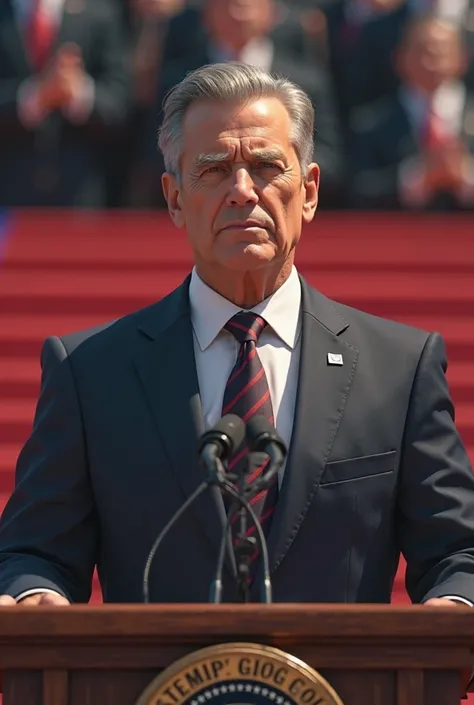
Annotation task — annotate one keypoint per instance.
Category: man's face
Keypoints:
(432, 55)
(242, 198)
(236, 22)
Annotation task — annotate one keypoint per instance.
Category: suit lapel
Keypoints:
(166, 371)
(323, 389)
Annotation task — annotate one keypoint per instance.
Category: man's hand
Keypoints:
(41, 599)
(62, 79)
(445, 167)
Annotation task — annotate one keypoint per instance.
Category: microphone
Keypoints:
(219, 442)
(262, 437)
(214, 446)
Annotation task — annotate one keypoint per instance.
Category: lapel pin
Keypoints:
(335, 359)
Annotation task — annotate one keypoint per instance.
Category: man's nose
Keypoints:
(242, 192)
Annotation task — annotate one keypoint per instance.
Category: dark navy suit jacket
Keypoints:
(375, 467)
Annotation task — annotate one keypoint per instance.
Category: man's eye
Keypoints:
(214, 169)
(268, 165)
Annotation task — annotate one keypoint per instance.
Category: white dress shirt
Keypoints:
(29, 110)
(216, 352)
(278, 347)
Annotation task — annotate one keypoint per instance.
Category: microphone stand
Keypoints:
(245, 546)
(191, 499)
(216, 477)
(216, 589)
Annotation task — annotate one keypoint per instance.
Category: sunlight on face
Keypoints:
(242, 197)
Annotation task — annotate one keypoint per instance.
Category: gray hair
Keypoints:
(241, 82)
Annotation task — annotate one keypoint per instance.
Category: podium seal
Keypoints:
(239, 674)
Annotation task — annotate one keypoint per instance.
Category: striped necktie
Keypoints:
(246, 394)
(40, 35)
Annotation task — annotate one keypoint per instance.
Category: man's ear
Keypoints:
(311, 186)
(172, 193)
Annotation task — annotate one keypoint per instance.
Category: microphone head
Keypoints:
(260, 432)
(228, 433)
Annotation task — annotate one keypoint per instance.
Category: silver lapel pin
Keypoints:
(335, 359)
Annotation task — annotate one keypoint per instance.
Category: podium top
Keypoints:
(367, 623)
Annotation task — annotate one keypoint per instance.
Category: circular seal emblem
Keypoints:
(239, 674)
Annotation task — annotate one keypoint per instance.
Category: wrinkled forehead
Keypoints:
(236, 129)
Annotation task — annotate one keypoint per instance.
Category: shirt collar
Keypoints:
(210, 311)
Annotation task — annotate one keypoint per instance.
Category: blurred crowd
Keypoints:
(82, 83)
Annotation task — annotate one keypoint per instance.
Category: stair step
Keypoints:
(382, 286)
(16, 417)
(136, 236)
(20, 378)
(22, 335)
(111, 305)
(9, 454)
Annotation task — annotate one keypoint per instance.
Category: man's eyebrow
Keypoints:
(270, 155)
(216, 158)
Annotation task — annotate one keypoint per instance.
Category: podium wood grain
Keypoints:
(371, 655)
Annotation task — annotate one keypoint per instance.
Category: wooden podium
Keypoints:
(108, 654)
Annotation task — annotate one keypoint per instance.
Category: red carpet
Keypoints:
(62, 272)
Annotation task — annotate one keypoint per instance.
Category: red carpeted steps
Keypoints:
(65, 272)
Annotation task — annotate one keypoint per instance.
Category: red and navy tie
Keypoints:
(246, 394)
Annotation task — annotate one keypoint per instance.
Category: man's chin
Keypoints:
(250, 256)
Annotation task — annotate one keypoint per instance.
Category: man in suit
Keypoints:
(361, 37)
(261, 34)
(375, 463)
(63, 100)
(416, 148)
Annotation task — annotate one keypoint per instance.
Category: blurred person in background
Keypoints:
(264, 35)
(63, 100)
(148, 24)
(416, 149)
(150, 20)
(361, 36)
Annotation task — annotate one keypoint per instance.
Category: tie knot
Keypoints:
(246, 326)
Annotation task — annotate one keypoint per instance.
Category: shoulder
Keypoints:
(366, 326)
(123, 333)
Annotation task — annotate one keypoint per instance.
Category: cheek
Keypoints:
(288, 209)
(200, 213)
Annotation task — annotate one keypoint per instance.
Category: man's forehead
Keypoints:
(266, 117)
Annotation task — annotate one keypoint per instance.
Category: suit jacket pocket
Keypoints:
(365, 466)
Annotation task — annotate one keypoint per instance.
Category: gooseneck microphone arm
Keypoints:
(216, 589)
(174, 519)
(215, 445)
(261, 436)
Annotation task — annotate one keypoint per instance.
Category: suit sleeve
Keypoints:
(436, 493)
(48, 531)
